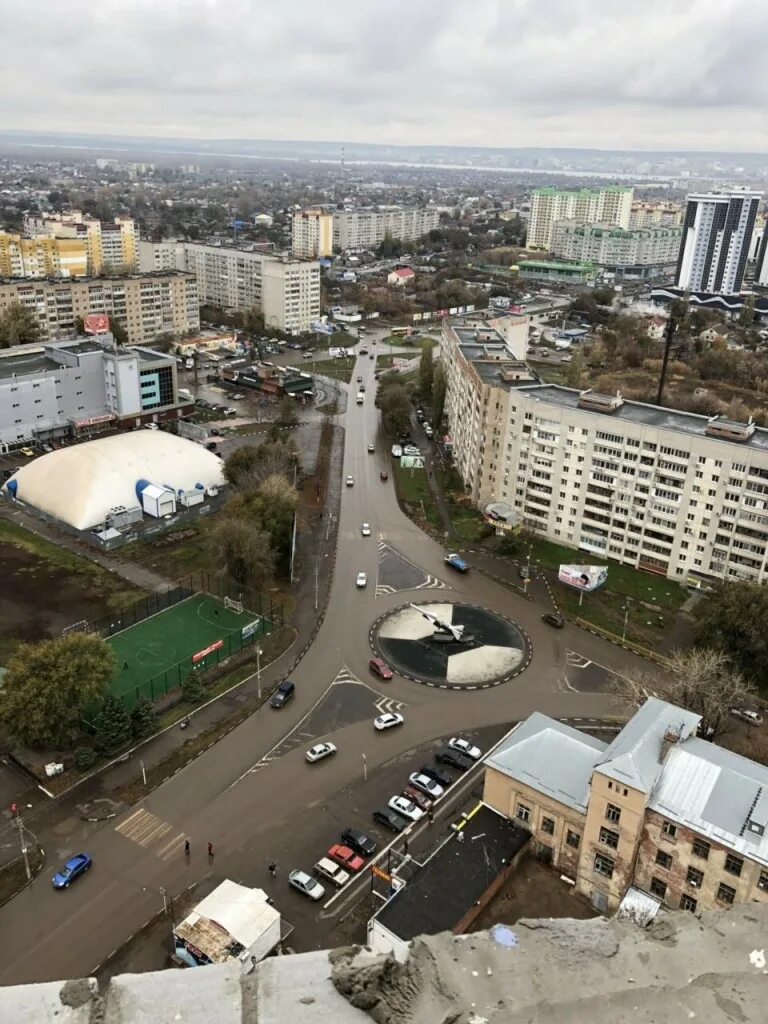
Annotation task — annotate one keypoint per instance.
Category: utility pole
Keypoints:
(365, 768)
(20, 826)
(169, 909)
(669, 333)
(259, 653)
(527, 579)
(316, 582)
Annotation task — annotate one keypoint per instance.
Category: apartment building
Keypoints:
(109, 246)
(367, 228)
(285, 289)
(761, 264)
(717, 234)
(147, 305)
(484, 365)
(610, 205)
(311, 234)
(42, 257)
(66, 387)
(658, 214)
(656, 810)
(613, 247)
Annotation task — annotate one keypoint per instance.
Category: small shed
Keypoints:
(232, 923)
(158, 501)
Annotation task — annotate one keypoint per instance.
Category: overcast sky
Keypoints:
(635, 74)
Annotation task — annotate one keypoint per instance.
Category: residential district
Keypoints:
(386, 547)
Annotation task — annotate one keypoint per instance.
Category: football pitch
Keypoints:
(156, 655)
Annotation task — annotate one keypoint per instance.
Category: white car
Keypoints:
(459, 743)
(320, 751)
(306, 884)
(397, 451)
(362, 579)
(388, 720)
(332, 871)
(350, 481)
(403, 806)
(365, 529)
(426, 785)
(371, 448)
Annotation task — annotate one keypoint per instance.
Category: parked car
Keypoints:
(553, 619)
(359, 378)
(320, 751)
(380, 668)
(371, 448)
(365, 529)
(417, 797)
(333, 872)
(406, 808)
(359, 841)
(465, 747)
(427, 785)
(390, 819)
(347, 857)
(747, 715)
(443, 778)
(28, 452)
(362, 579)
(72, 870)
(285, 692)
(350, 481)
(306, 885)
(456, 562)
(388, 720)
(447, 755)
(397, 451)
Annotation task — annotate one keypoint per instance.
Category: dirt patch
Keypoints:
(13, 877)
(534, 890)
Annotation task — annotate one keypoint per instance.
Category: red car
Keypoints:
(417, 797)
(380, 668)
(346, 857)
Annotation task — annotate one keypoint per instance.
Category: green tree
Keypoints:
(18, 326)
(287, 415)
(113, 729)
(747, 315)
(389, 247)
(119, 333)
(192, 689)
(426, 372)
(241, 464)
(575, 370)
(395, 404)
(253, 325)
(722, 622)
(143, 718)
(49, 685)
(245, 550)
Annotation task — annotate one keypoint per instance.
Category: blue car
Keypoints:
(74, 867)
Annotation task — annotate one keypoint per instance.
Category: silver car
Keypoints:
(306, 884)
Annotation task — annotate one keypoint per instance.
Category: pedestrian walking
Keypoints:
(431, 815)
(186, 847)
(210, 850)
(272, 869)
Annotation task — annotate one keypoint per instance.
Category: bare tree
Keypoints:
(700, 680)
(245, 550)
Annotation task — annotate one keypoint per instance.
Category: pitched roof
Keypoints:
(550, 757)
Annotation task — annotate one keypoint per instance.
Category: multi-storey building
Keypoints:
(717, 233)
(69, 387)
(657, 809)
(42, 257)
(761, 265)
(312, 234)
(610, 205)
(365, 229)
(147, 305)
(658, 214)
(616, 248)
(286, 290)
(671, 492)
(110, 247)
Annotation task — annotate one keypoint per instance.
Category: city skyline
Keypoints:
(638, 77)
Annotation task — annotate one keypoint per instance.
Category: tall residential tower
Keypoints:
(717, 232)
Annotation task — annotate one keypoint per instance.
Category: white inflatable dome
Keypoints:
(79, 485)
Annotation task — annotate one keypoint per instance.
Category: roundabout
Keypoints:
(452, 646)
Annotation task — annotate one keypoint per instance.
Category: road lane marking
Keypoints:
(143, 828)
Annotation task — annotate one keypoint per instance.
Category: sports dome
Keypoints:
(79, 485)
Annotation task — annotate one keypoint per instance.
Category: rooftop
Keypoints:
(487, 351)
(66, 282)
(644, 415)
(458, 873)
(551, 757)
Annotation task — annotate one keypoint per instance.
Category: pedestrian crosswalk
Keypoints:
(152, 833)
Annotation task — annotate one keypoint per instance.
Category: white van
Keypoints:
(185, 395)
(360, 397)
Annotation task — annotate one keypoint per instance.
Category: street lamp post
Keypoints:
(365, 768)
(22, 840)
(527, 579)
(626, 619)
(259, 653)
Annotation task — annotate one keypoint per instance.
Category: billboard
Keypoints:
(583, 577)
(96, 323)
(412, 462)
(216, 646)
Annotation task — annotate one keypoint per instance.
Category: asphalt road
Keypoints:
(253, 795)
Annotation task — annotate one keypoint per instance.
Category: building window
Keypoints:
(609, 838)
(523, 812)
(658, 888)
(663, 859)
(694, 877)
(762, 882)
(700, 849)
(548, 826)
(572, 839)
(669, 830)
(604, 865)
(613, 813)
(725, 893)
(688, 903)
(733, 864)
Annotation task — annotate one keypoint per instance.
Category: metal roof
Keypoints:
(550, 757)
(635, 756)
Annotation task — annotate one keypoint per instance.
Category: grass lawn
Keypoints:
(384, 362)
(549, 372)
(413, 488)
(338, 369)
(174, 554)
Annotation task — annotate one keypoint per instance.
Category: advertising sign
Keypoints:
(412, 462)
(401, 364)
(250, 628)
(206, 651)
(92, 421)
(96, 323)
(583, 577)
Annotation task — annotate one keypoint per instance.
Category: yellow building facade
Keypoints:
(42, 257)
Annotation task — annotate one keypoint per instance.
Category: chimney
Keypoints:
(671, 737)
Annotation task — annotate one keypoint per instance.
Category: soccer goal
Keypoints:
(235, 606)
(83, 626)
